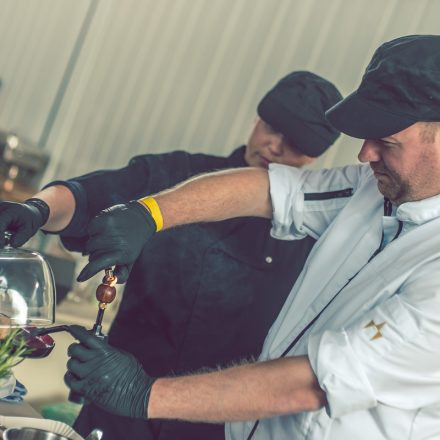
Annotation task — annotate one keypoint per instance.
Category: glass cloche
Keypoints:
(27, 288)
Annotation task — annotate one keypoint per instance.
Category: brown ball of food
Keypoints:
(105, 293)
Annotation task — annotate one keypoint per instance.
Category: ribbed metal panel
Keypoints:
(37, 37)
(153, 76)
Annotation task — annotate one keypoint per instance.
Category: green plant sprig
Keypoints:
(12, 350)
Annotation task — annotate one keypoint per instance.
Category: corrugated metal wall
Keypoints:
(97, 81)
(36, 41)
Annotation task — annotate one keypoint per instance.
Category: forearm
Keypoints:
(61, 204)
(217, 196)
(248, 392)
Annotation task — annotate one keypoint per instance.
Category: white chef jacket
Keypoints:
(375, 348)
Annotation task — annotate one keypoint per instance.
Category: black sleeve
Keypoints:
(145, 174)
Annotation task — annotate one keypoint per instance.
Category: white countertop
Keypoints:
(21, 409)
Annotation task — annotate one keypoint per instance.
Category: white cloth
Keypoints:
(376, 347)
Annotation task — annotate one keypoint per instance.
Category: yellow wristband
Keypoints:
(154, 209)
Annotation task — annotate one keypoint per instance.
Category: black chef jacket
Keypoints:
(198, 296)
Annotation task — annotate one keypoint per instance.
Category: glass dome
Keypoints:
(27, 289)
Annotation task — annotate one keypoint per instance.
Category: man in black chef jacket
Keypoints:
(200, 295)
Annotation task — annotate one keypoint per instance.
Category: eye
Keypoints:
(387, 144)
(381, 143)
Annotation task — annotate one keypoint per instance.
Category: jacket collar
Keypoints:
(236, 158)
(419, 212)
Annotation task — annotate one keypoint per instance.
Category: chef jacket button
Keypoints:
(268, 259)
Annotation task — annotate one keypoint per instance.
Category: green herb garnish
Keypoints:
(12, 350)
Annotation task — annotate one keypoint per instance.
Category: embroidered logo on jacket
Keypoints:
(378, 328)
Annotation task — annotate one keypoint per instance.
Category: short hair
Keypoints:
(429, 131)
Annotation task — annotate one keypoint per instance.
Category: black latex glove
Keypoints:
(108, 377)
(22, 220)
(116, 238)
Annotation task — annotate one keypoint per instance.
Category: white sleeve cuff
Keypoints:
(339, 373)
(287, 202)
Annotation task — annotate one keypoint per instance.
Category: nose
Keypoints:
(370, 152)
(276, 144)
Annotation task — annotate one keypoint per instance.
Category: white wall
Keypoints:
(97, 81)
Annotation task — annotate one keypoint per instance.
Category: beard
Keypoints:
(390, 184)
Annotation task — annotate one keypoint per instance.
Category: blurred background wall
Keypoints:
(94, 82)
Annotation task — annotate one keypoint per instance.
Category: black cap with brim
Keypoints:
(295, 107)
(400, 86)
(298, 131)
(358, 118)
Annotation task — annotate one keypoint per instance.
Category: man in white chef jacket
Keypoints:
(355, 351)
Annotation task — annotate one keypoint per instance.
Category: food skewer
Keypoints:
(105, 294)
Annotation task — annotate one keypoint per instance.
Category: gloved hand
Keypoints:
(22, 219)
(116, 238)
(108, 377)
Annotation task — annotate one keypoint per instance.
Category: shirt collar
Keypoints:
(236, 158)
(419, 212)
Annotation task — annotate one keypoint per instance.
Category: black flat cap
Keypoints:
(401, 86)
(295, 107)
